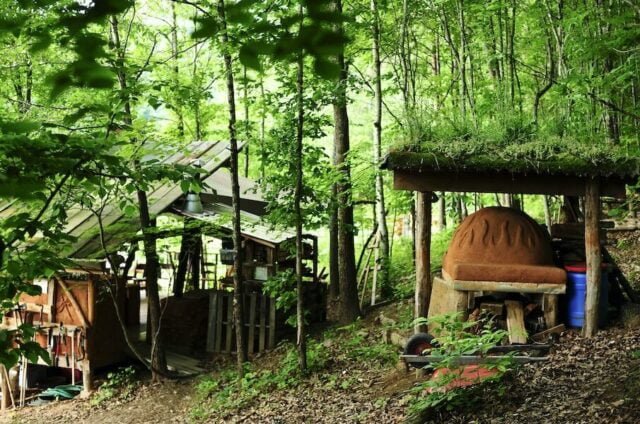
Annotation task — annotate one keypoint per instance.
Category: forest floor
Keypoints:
(358, 380)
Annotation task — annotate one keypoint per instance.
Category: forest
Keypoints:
(244, 208)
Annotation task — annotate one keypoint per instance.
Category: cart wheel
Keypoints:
(418, 343)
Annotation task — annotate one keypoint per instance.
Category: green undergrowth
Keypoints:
(120, 385)
(351, 347)
(402, 271)
(456, 338)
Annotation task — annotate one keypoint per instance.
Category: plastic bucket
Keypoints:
(576, 296)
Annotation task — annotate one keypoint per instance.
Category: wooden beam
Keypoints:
(508, 287)
(501, 182)
(423, 257)
(593, 255)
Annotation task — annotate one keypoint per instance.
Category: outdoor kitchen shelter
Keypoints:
(430, 168)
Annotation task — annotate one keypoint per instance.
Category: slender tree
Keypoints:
(147, 222)
(301, 336)
(235, 193)
(347, 306)
(381, 210)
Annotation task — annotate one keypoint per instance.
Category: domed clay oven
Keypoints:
(501, 244)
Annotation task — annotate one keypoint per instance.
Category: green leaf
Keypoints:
(206, 27)
(249, 57)
(326, 69)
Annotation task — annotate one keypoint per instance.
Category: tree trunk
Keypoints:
(176, 69)
(442, 212)
(348, 307)
(547, 212)
(301, 337)
(247, 129)
(334, 274)
(196, 260)
(381, 211)
(183, 263)
(152, 265)
(235, 196)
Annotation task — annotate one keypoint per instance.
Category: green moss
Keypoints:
(534, 155)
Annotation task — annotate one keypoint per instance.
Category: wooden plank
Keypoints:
(211, 323)
(550, 309)
(229, 301)
(515, 321)
(593, 255)
(572, 231)
(272, 323)
(263, 319)
(500, 182)
(423, 257)
(472, 359)
(543, 335)
(218, 346)
(503, 286)
(252, 323)
(76, 307)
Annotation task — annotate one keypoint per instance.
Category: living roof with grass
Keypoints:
(530, 154)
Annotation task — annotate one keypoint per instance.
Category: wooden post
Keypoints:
(211, 324)
(423, 257)
(87, 378)
(592, 251)
(550, 308)
(251, 339)
(315, 259)
(4, 383)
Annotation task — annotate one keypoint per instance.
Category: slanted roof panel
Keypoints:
(84, 225)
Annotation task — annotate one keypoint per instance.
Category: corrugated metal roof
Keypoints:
(84, 225)
(252, 225)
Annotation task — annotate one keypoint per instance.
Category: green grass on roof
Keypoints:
(551, 155)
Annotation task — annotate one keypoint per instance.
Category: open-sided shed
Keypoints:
(429, 169)
(89, 321)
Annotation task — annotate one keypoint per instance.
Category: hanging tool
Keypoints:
(82, 346)
(63, 336)
(73, 357)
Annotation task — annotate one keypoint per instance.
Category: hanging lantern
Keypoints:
(193, 203)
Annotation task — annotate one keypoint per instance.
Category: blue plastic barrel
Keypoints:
(577, 293)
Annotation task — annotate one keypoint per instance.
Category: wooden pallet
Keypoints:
(259, 325)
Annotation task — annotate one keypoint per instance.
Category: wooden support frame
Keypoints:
(423, 257)
(593, 255)
(501, 182)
